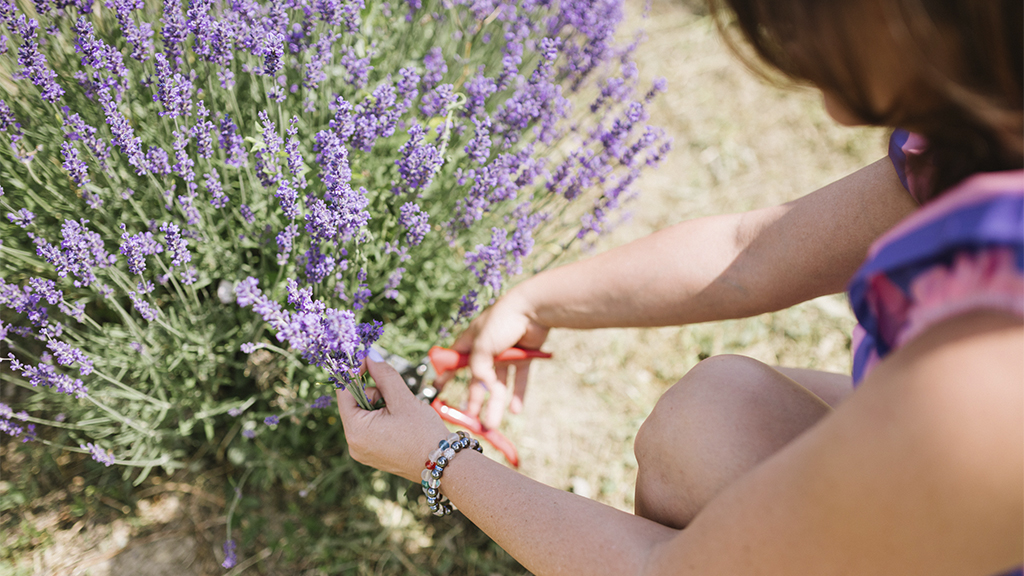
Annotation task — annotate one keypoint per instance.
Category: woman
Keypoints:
(745, 468)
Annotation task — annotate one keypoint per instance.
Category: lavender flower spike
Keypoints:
(98, 454)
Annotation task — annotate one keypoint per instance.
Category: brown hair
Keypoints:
(957, 65)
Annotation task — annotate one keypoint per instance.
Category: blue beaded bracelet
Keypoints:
(434, 469)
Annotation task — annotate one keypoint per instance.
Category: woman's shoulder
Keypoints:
(962, 251)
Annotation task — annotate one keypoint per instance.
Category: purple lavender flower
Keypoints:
(189, 276)
(78, 130)
(136, 346)
(76, 311)
(124, 137)
(479, 148)
(271, 47)
(415, 221)
(101, 57)
(248, 348)
(492, 263)
(93, 201)
(436, 101)
(659, 85)
(418, 161)
(325, 337)
(287, 197)
(157, 161)
(80, 251)
(318, 265)
(361, 297)
(136, 247)
(478, 89)
(230, 556)
(247, 214)
(98, 454)
(284, 243)
(184, 164)
(218, 199)
(512, 57)
(74, 165)
(9, 123)
(6, 424)
(22, 218)
(332, 156)
(174, 31)
(342, 14)
(376, 117)
(232, 144)
(143, 307)
(67, 355)
(296, 164)
(176, 245)
(247, 293)
(201, 132)
(390, 287)
(322, 402)
(267, 168)
(406, 87)
(271, 420)
(250, 434)
(436, 68)
(47, 376)
(358, 68)
(140, 37)
(34, 65)
(319, 56)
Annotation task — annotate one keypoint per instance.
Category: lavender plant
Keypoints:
(211, 209)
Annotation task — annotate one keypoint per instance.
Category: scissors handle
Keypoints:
(495, 438)
(446, 359)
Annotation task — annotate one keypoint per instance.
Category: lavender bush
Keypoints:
(213, 210)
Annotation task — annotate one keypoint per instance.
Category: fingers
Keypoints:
(519, 392)
(442, 379)
(346, 404)
(477, 394)
(491, 418)
(389, 382)
(481, 364)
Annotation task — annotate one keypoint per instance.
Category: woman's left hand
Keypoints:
(397, 438)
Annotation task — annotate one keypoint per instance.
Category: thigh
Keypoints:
(720, 420)
(831, 387)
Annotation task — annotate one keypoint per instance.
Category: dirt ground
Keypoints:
(739, 144)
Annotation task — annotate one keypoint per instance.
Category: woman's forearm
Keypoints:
(728, 266)
(529, 520)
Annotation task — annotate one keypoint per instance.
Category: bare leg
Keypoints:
(720, 420)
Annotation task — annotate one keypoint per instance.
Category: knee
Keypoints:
(696, 440)
(717, 387)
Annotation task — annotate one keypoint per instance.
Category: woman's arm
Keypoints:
(713, 268)
(728, 266)
(919, 472)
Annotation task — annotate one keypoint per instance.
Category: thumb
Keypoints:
(390, 383)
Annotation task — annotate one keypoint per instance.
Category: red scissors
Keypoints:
(440, 360)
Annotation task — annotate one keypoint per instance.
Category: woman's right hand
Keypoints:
(509, 322)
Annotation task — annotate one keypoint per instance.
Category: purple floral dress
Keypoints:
(960, 252)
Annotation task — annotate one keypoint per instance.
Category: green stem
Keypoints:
(236, 499)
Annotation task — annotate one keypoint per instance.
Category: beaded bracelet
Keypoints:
(436, 462)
